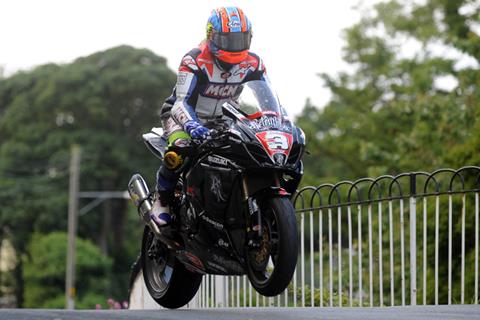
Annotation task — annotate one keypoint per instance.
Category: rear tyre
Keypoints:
(271, 266)
(169, 283)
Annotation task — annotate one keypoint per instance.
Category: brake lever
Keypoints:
(214, 133)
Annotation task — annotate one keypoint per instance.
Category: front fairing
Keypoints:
(263, 126)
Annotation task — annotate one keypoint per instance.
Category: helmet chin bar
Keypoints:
(231, 57)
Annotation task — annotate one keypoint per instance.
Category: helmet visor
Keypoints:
(232, 41)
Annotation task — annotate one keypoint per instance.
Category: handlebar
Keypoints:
(215, 135)
(198, 145)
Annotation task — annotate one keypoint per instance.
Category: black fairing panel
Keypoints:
(210, 189)
(292, 184)
(208, 258)
(218, 182)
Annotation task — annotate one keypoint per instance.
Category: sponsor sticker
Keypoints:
(234, 24)
(233, 111)
(265, 122)
(223, 243)
(220, 90)
(182, 78)
(218, 160)
(181, 116)
(216, 188)
(216, 224)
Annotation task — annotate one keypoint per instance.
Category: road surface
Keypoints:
(387, 313)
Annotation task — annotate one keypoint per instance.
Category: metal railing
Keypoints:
(377, 242)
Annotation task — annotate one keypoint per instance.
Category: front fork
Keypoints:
(254, 227)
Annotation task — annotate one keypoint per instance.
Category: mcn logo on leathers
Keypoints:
(221, 90)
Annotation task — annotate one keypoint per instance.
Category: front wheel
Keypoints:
(169, 283)
(272, 264)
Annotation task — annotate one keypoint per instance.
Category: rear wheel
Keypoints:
(169, 283)
(272, 264)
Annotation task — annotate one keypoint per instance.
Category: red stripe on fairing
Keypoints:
(242, 20)
(254, 116)
(262, 137)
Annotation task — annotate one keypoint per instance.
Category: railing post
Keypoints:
(413, 240)
(220, 291)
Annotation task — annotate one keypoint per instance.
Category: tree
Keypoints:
(45, 269)
(103, 102)
(400, 110)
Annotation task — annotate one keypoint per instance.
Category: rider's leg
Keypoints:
(166, 181)
(167, 178)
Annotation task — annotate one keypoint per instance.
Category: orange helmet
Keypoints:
(229, 34)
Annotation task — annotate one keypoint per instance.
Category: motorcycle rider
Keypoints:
(208, 76)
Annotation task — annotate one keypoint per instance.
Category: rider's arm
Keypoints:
(260, 73)
(182, 111)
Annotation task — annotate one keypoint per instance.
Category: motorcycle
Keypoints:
(232, 213)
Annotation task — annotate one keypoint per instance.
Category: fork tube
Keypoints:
(245, 188)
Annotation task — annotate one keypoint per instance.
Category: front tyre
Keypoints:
(271, 266)
(169, 283)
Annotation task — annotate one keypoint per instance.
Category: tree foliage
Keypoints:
(411, 102)
(103, 103)
(45, 269)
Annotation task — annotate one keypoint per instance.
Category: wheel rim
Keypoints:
(262, 261)
(157, 268)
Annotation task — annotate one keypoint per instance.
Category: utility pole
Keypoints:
(70, 290)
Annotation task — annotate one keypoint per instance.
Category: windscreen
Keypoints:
(258, 96)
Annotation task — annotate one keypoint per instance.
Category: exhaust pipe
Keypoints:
(140, 195)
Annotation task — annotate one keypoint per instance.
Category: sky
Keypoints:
(296, 39)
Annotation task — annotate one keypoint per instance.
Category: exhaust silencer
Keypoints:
(138, 190)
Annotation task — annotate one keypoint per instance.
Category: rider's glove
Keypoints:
(196, 130)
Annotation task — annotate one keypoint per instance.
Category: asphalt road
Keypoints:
(386, 313)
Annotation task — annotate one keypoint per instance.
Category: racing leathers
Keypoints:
(203, 85)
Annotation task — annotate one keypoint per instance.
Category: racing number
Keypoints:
(276, 141)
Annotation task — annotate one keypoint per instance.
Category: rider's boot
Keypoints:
(160, 211)
(163, 197)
